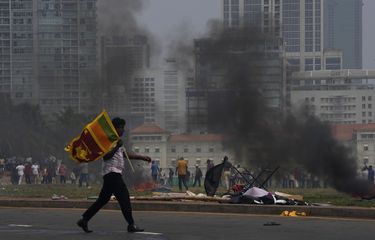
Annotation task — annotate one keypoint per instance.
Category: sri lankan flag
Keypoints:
(96, 139)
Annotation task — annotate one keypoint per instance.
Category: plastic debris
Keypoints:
(58, 197)
(293, 214)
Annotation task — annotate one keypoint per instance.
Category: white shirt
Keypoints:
(20, 169)
(115, 164)
(35, 169)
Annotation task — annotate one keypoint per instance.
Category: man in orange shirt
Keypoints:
(181, 170)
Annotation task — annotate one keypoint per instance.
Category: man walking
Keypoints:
(112, 167)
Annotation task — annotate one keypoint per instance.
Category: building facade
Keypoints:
(265, 67)
(49, 53)
(361, 139)
(17, 79)
(146, 94)
(343, 30)
(336, 96)
(121, 58)
(174, 97)
(300, 23)
(165, 148)
(66, 55)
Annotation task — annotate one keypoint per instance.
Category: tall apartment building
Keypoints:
(174, 96)
(17, 78)
(263, 56)
(65, 46)
(146, 94)
(121, 58)
(48, 52)
(343, 30)
(299, 23)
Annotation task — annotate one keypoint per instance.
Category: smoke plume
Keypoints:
(264, 135)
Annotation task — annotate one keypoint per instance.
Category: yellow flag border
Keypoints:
(69, 149)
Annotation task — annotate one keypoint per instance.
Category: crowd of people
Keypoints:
(184, 176)
(48, 171)
(233, 175)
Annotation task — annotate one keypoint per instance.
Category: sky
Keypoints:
(165, 18)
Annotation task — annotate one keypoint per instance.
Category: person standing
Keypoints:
(227, 173)
(370, 173)
(45, 175)
(35, 170)
(20, 171)
(170, 177)
(154, 171)
(112, 167)
(198, 175)
(181, 171)
(73, 178)
(84, 174)
(28, 173)
(209, 165)
(62, 172)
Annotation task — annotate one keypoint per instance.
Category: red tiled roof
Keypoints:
(147, 128)
(344, 132)
(198, 138)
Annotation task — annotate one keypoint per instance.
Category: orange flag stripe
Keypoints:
(100, 136)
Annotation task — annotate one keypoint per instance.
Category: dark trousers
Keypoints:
(197, 180)
(62, 179)
(182, 180)
(113, 184)
(84, 177)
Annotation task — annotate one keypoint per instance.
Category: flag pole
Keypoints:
(127, 157)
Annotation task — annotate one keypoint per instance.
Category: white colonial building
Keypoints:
(165, 148)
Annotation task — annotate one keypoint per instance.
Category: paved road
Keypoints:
(59, 224)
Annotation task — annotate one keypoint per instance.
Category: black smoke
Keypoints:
(265, 135)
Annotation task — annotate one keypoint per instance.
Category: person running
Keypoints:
(112, 167)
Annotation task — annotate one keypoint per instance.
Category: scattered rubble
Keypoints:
(58, 197)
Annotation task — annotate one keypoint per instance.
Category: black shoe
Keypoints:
(133, 228)
(83, 224)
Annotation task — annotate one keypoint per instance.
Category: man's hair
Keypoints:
(118, 122)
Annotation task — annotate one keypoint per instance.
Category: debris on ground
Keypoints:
(186, 196)
(271, 224)
(257, 195)
(293, 214)
(58, 197)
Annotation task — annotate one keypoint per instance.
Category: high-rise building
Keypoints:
(343, 30)
(123, 59)
(336, 96)
(173, 97)
(146, 91)
(17, 78)
(299, 22)
(265, 72)
(264, 15)
(48, 53)
(66, 54)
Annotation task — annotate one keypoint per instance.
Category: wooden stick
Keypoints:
(127, 157)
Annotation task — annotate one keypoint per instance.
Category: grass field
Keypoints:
(324, 196)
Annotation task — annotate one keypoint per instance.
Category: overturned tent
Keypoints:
(212, 179)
